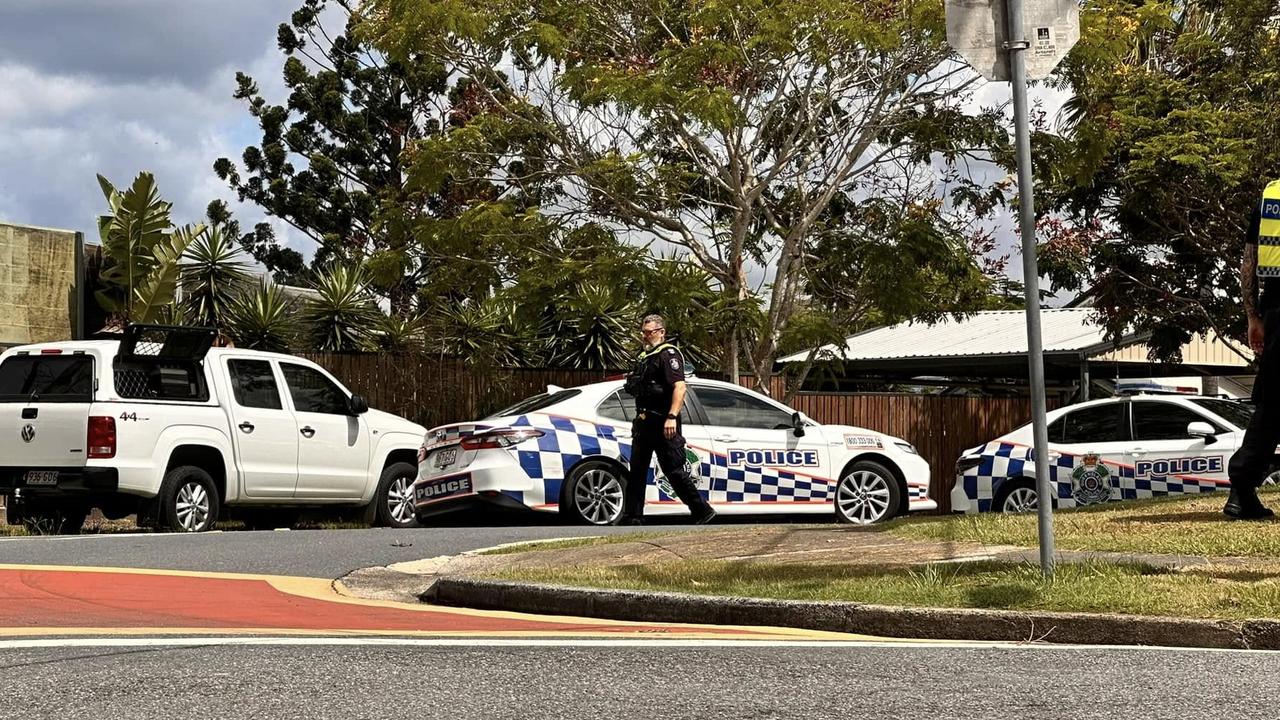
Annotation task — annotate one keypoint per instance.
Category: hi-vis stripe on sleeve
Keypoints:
(1269, 232)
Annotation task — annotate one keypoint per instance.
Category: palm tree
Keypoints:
(341, 317)
(213, 275)
(262, 319)
(593, 329)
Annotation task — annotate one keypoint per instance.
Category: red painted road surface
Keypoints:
(41, 600)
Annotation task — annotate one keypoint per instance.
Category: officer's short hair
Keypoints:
(654, 319)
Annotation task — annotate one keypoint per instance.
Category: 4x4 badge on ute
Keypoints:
(28, 433)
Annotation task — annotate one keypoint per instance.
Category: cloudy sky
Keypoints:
(120, 86)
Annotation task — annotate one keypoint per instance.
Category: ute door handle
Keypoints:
(246, 426)
(308, 431)
(726, 438)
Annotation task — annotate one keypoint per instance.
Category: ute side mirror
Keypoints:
(357, 405)
(797, 425)
(1202, 430)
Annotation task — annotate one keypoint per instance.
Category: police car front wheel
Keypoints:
(867, 493)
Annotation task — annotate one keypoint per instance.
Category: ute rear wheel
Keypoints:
(189, 500)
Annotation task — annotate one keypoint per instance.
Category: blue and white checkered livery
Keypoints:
(1111, 450)
(568, 451)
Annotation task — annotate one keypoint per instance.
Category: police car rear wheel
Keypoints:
(1020, 498)
(867, 493)
(593, 494)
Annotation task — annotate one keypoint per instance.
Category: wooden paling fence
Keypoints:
(433, 390)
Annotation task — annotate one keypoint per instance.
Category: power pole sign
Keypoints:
(977, 29)
(1015, 40)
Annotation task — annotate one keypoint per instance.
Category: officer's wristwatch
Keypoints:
(670, 416)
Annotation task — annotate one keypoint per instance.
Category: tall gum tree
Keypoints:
(743, 132)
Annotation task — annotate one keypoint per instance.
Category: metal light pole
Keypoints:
(1017, 46)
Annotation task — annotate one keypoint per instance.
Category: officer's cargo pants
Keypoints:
(647, 440)
(1251, 463)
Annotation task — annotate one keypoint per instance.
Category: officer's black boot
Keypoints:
(1243, 504)
(688, 493)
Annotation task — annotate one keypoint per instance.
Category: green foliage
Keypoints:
(726, 129)
(330, 159)
(482, 333)
(1168, 142)
(143, 250)
(340, 317)
(213, 274)
(262, 318)
(592, 329)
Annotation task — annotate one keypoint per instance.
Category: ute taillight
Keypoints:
(505, 437)
(102, 437)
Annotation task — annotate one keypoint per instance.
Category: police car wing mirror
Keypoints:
(1202, 430)
(797, 425)
(357, 405)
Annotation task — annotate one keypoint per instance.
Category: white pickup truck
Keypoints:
(161, 425)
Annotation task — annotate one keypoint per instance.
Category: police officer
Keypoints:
(657, 384)
(1251, 463)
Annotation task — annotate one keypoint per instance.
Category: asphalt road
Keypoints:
(309, 553)
(638, 683)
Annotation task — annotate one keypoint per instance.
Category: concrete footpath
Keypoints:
(461, 581)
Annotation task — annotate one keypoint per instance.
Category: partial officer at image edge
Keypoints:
(1260, 288)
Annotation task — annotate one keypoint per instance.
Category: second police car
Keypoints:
(566, 451)
(1108, 450)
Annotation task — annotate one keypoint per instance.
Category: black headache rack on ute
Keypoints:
(163, 362)
(149, 343)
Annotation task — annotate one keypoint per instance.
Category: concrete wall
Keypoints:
(38, 284)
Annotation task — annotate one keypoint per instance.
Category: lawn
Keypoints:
(1173, 526)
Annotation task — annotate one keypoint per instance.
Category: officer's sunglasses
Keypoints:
(651, 331)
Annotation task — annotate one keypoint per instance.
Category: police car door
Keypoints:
(618, 410)
(1092, 448)
(1168, 459)
(761, 462)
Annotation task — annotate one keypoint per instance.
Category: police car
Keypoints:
(566, 451)
(1136, 446)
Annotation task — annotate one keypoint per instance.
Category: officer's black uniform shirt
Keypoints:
(662, 370)
(1270, 286)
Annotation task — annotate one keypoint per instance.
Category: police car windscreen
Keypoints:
(46, 378)
(1236, 413)
(536, 403)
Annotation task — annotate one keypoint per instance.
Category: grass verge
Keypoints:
(1091, 587)
(1169, 526)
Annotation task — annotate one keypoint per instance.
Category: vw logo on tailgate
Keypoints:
(28, 433)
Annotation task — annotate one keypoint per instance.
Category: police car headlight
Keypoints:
(907, 447)
(966, 463)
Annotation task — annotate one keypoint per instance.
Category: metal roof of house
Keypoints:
(987, 333)
(1002, 333)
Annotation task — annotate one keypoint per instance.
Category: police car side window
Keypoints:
(1097, 424)
(1163, 421)
(618, 406)
(729, 408)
